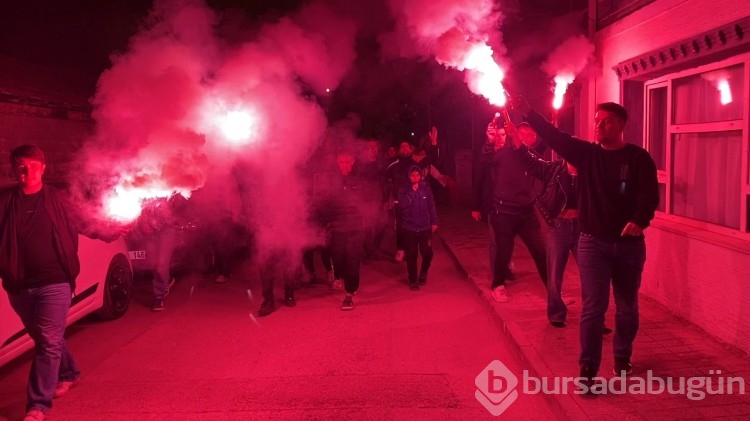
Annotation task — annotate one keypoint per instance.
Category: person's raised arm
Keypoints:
(572, 149)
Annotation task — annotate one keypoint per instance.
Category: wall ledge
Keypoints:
(738, 242)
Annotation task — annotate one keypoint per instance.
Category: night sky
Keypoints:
(80, 35)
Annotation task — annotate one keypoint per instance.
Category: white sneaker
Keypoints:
(500, 295)
(170, 284)
(399, 255)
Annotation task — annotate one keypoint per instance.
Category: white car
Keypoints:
(103, 286)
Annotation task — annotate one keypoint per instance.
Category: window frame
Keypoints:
(666, 176)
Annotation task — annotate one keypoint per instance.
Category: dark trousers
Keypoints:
(308, 258)
(346, 250)
(506, 227)
(375, 231)
(415, 243)
(601, 262)
(397, 225)
(279, 266)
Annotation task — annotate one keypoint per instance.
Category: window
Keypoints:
(696, 130)
(706, 177)
(709, 97)
(657, 126)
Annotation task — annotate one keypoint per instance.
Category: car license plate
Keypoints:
(137, 255)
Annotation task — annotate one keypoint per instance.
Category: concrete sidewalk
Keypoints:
(668, 346)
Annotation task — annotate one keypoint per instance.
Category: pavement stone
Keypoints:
(667, 345)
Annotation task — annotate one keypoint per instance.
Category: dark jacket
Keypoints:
(397, 174)
(65, 237)
(340, 204)
(615, 186)
(553, 197)
(502, 183)
(418, 211)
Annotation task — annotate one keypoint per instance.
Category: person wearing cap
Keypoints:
(418, 220)
(397, 175)
(39, 264)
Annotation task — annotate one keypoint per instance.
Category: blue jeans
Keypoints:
(43, 311)
(167, 241)
(600, 262)
(493, 248)
(561, 240)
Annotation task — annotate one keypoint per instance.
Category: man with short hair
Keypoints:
(39, 265)
(508, 200)
(340, 210)
(618, 196)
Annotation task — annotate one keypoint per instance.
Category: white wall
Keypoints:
(698, 276)
(659, 24)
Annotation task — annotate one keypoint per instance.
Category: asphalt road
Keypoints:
(399, 354)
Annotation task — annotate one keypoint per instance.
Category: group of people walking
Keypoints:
(596, 202)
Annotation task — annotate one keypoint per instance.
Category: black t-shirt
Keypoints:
(36, 244)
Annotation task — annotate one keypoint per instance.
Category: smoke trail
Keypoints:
(457, 34)
(161, 108)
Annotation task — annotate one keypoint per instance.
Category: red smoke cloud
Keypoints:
(159, 111)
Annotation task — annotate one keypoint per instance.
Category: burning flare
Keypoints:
(486, 75)
(562, 81)
(125, 203)
(237, 126)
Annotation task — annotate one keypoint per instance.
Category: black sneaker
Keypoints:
(348, 303)
(413, 286)
(422, 280)
(289, 300)
(587, 378)
(557, 324)
(267, 307)
(158, 304)
(622, 367)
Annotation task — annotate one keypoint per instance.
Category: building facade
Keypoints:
(682, 68)
(42, 106)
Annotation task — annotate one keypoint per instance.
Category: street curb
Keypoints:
(522, 347)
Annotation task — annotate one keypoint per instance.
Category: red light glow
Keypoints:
(237, 126)
(125, 203)
(488, 76)
(725, 91)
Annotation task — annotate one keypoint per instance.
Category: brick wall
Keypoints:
(58, 137)
(42, 106)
